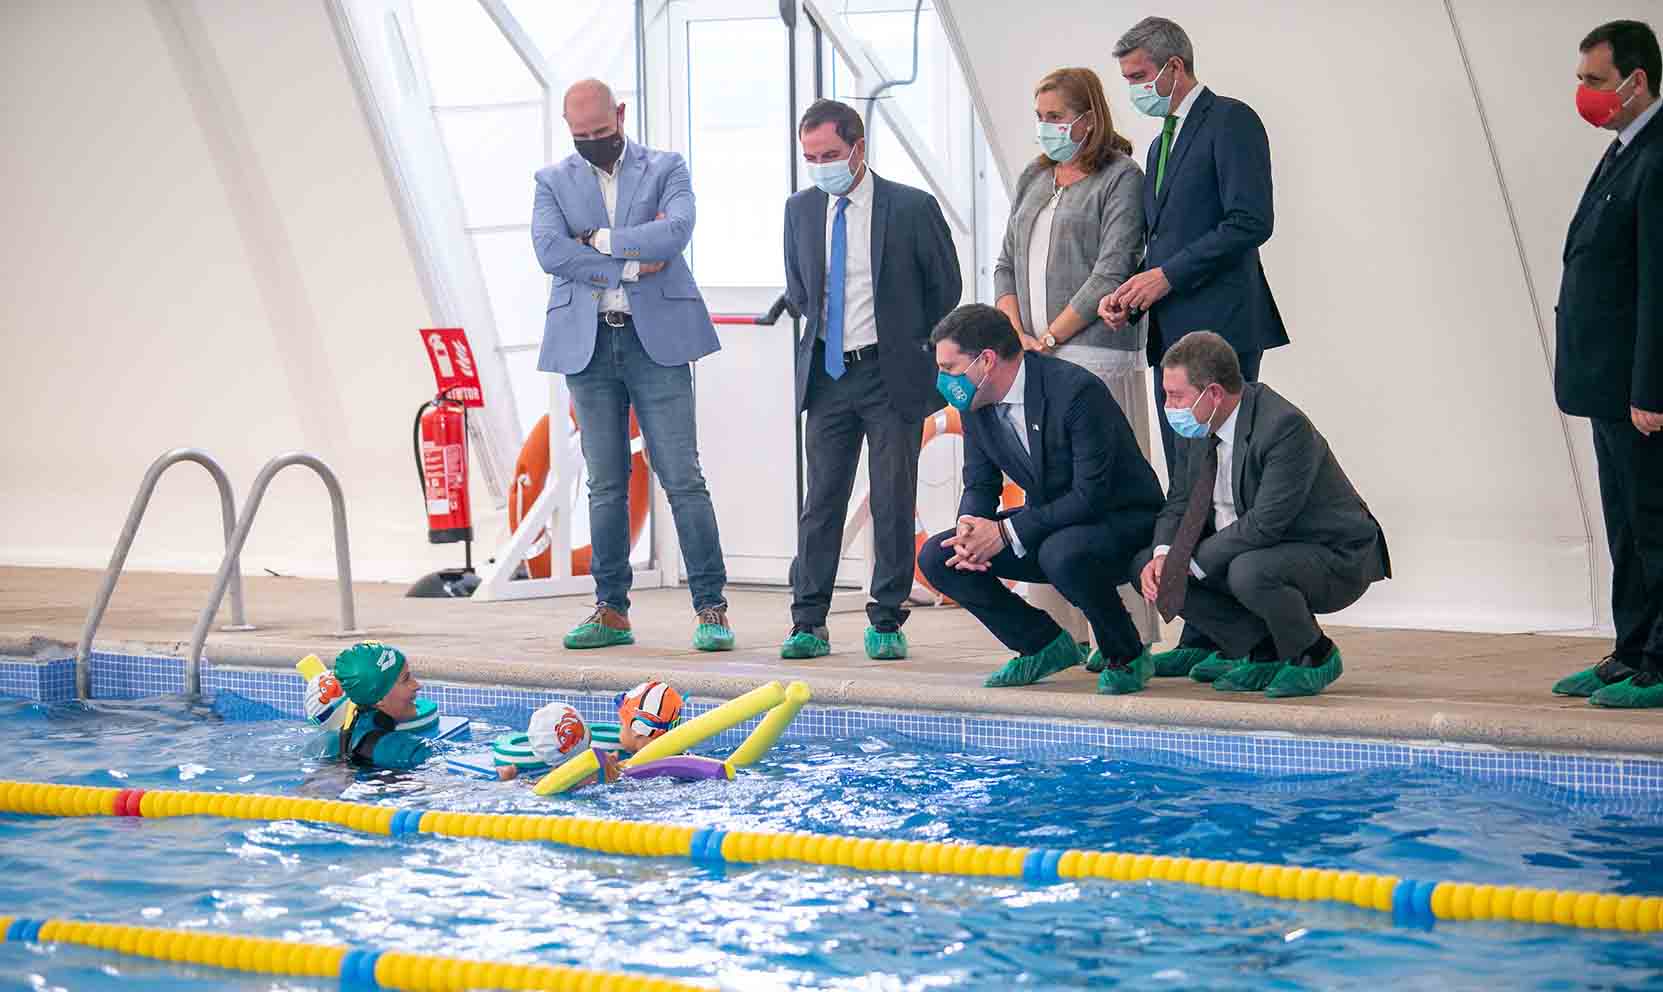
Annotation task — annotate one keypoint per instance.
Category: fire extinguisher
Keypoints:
(439, 439)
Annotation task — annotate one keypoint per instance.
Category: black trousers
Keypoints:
(1250, 361)
(842, 413)
(1631, 493)
(1085, 563)
(1274, 592)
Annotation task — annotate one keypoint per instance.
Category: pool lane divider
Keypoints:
(356, 968)
(1410, 902)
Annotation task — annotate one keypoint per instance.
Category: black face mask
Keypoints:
(602, 153)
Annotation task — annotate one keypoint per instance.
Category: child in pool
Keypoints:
(556, 732)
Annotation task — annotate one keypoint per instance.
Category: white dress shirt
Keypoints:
(1039, 262)
(1183, 113)
(860, 315)
(613, 299)
(1224, 493)
(1628, 134)
(1013, 408)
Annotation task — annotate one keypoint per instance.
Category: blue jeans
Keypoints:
(620, 375)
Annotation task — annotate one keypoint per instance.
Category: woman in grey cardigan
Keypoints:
(1075, 234)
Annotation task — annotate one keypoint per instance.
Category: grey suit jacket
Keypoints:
(1289, 489)
(1096, 244)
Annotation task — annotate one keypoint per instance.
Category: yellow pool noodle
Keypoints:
(768, 732)
(729, 714)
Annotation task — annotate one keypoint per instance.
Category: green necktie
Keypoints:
(1167, 131)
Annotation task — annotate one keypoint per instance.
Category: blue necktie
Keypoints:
(834, 292)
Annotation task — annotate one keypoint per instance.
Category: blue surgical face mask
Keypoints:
(833, 178)
(1184, 423)
(1054, 139)
(1147, 100)
(958, 389)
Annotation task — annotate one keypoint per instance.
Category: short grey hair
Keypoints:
(1161, 38)
(1205, 358)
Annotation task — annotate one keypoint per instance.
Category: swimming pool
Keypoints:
(791, 926)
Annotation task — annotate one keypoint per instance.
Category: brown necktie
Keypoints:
(1169, 597)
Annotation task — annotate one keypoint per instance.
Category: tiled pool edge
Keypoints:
(119, 675)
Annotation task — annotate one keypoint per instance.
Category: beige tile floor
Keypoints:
(1400, 684)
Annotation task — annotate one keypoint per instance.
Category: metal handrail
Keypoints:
(257, 492)
(118, 557)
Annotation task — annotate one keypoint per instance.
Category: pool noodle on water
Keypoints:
(729, 714)
(772, 726)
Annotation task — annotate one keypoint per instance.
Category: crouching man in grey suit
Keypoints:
(1261, 530)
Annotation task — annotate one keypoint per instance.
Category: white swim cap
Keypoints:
(556, 732)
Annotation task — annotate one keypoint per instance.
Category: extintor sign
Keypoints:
(453, 365)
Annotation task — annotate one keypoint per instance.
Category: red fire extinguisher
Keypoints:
(440, 440)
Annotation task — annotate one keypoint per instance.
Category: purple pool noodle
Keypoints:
(682, 766)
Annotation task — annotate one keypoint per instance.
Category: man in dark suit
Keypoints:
(1609, 362)
(1260, 532)
(1091, 500)
(1207, 207)
(872, 266)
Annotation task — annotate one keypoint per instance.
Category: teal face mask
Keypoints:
(1147, 100)
(1054, 139)
(958, 389)
(1185, 424)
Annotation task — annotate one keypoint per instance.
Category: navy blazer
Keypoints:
(1609, 321)
(915, 282)
(1205, 228)
(1083, 464)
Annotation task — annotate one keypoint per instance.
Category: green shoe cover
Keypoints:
(597, 635)
(1583, 683)
(1296, 680)
(805, 645)
(1178, 662)
(1060, 654)
(1250, 676)
(713, 637)
(1642, 691)
(1095, 662)
(1118, 681)
(1210, 668)
(884, 645)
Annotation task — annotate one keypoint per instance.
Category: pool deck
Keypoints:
(1399, 684)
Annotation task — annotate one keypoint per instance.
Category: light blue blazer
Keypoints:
(670, 315)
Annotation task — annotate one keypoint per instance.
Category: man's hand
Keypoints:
(1149, 581)
(1142, 291)
(1645, 421)
(974, 543)
(1031, 343)
(1114, 314)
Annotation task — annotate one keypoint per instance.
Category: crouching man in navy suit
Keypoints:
(1091, 502)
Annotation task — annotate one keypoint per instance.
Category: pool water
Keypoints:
(780, 926)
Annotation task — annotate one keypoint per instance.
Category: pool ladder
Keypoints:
(230, 572)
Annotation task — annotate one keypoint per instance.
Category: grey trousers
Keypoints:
(842, 413)
(1273, 592)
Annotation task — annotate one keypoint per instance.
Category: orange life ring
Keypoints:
(531, 472)
(940, 424)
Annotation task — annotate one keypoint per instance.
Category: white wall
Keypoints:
(200, 249)
(1416, 325)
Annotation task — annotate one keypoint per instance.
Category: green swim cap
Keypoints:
(367, 671)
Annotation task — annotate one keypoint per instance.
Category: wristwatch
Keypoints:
(1049, 340)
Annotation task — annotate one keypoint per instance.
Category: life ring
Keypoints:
(531, 472)
(942, 423)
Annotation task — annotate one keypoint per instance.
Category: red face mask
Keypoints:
(1597, 107)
